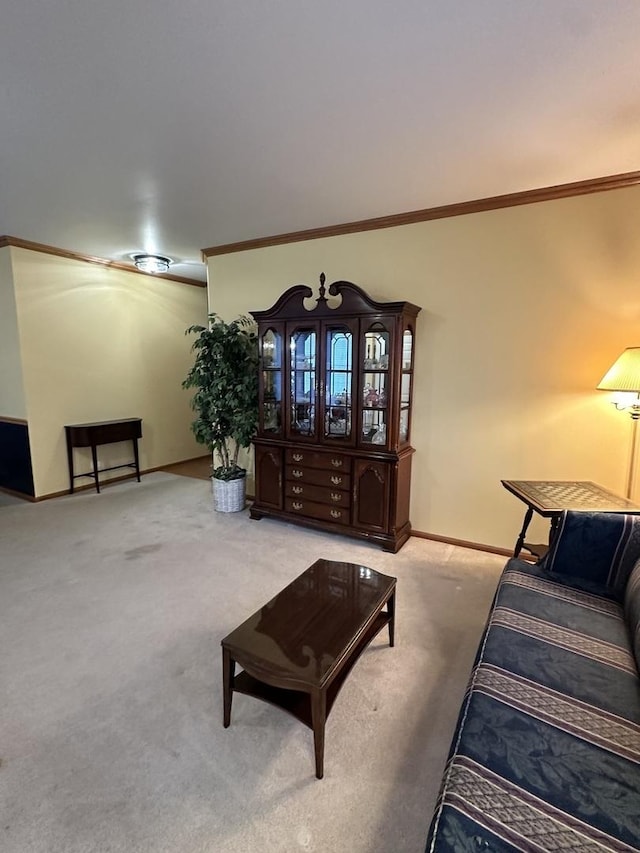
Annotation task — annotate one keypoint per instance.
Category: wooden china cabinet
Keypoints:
(336, 382)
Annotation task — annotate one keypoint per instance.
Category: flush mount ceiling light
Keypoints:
(152, 263)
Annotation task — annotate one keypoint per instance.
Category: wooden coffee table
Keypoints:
(297, 651)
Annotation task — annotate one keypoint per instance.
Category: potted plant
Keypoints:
(225, 378)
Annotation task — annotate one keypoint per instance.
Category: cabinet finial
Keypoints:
(322, 297)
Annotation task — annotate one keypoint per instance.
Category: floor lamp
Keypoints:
(624, 376)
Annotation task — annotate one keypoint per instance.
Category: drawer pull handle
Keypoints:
(336, 496)
(336, 480)
(297, 504)
(298, 457)
(297, 473)
(297, 490)
(336, 513)
(337, 463)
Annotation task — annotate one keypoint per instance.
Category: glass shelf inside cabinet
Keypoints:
(375, 385)
(406, 384)
(272, 382)
(407, 350)
(271, 350)
(338, 384)
(303, 382)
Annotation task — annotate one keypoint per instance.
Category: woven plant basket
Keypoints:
(228, 495)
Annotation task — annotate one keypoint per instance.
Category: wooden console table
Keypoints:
(102, 432)
(550, 498)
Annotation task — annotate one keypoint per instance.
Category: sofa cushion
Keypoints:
(572, 641)
(597, 547)
(632, 609)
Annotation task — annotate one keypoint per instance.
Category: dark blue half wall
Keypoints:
(15, 458)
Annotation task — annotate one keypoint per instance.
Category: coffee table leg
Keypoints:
(228, 669)
(391, 610)
(318, 719)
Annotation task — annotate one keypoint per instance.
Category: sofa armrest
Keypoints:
(599, 547)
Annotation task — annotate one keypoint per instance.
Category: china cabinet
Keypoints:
(336, 383)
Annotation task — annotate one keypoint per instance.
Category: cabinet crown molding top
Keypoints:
(343, 295)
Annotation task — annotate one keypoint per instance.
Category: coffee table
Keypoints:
(298, 649)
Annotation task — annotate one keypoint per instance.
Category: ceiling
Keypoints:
(173, 125)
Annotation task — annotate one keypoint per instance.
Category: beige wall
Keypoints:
(12, 402)
(97, 344)
(523, 311)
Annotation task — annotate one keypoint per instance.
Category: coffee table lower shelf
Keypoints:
(298, 702)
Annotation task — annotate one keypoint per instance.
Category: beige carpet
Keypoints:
(8, 499)
(112, 608)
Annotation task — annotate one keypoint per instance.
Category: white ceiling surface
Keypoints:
(173, 125)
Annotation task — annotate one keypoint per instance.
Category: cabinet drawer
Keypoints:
(323, 494)
(317, 477)
(313, 509)
(316, 459)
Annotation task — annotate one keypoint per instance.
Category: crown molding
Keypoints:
(17, 243)
(593, 185)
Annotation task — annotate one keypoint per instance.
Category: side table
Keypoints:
(102, 432)
(550, 498)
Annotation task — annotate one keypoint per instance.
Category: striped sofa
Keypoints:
(546, 754)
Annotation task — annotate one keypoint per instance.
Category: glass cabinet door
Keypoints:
(375, 385)
(406, 384)
(303, 378)
(271, 410)
(338, 387)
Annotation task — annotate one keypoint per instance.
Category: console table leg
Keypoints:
(70, 464)
(94, 456)
(318, 719)
(136, 457)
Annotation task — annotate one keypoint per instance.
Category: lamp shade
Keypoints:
(624, 374)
